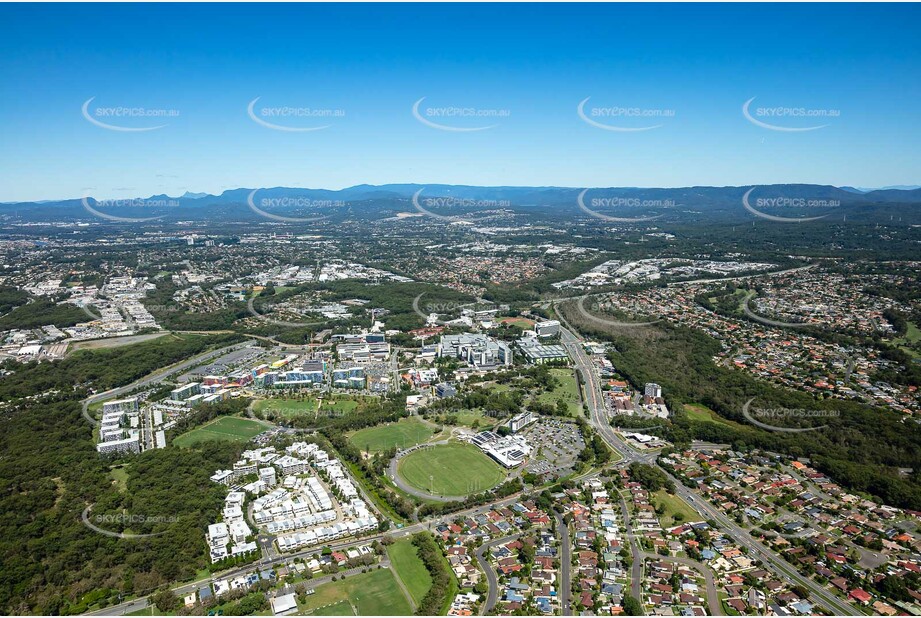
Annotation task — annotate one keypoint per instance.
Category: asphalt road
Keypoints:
(185, 589)
(156, 376)
(636, 569)
(493, 595)
(768, 557)
(565, 565)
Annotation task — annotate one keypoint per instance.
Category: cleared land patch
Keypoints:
(402, 434)
(306, 406)
(701, 413)
(677, 511)
(567, 390)
(225, 428)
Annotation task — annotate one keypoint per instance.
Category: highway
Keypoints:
(770, 559)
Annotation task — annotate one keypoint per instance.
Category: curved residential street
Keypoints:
(636, 569)
(713, 597)
(493, 595)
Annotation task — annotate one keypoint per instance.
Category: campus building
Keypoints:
(537, 353)
(547, 328)
(509, 451)
(478, 350)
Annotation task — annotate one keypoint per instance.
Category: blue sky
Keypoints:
(529, 66)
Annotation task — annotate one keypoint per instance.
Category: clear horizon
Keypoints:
(903, 187)
(324, 96)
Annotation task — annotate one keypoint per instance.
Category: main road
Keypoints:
(181, 590)
(157, 376)
(599, 419)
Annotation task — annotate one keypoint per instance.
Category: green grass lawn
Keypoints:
(404, 433)
(455, 469)
(410, 568)
(309, 404)
(701, 413)
(912, 335)
(673, 506)
(287, 407)
(468, 417)
(339, 404)
(373, 594)
(568, 390)
(119, 476)
(225, 428)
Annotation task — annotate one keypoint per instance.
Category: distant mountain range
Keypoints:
(383, 201)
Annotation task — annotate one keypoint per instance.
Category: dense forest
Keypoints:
(42, 312)
(50, 472)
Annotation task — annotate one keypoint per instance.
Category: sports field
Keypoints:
(225, 428)
(410, 568)
(454, 469)
(372, 594)
(524, 323)
(402, 434)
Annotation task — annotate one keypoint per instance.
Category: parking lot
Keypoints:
(556, 443)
